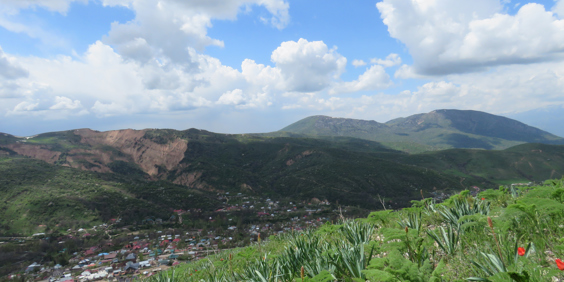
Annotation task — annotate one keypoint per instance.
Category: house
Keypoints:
(110, 256)
(32, 267)
(131, 267)
(164, 261)
(131, 257)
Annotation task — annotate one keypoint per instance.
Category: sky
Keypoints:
(245, 66)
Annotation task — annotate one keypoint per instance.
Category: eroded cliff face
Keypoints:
(40, 152)
(144, 152)
(96, 150)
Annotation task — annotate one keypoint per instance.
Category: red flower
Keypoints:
(483, 199)
(521, 251)
(560, 264)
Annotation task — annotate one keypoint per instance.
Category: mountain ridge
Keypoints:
(439, 129)
(350, 170)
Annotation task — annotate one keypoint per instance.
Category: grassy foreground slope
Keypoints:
(498, 235)
(36, 196)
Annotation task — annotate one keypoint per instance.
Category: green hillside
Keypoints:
(522, 163)
(161, 169)
(307, 168)
(437, 130)
(7, 138)
(497, 235)
(35, 196)
(351, 171)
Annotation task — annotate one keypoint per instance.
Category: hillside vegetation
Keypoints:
(338, 169)
(38, 197)
(500, 234)
(437, 130)
(344, 170)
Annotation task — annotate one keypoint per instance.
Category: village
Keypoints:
(126, 253)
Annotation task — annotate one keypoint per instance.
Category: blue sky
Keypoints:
(238, 66)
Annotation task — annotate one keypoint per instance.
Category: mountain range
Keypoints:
(437, 130)
(318, 157)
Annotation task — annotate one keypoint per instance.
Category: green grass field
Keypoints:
(498, 235)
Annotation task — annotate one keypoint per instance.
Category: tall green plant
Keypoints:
(447, 240)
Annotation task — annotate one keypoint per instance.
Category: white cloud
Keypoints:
(308, 66)
(9, 89)
(234, 97)
(374, 78)
(26, 106)
(9, 70)
(64, 103)
(358, 63)
(390, 61)
(558, 8)
(446, 36)
(165, 30)
(109, 109)
(13, 6)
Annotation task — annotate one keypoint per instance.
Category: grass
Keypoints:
(482, 245)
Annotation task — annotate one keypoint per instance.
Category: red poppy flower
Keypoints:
(483, 199)
(521, 251)
(560, 264)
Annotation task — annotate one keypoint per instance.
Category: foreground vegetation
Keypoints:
(506, 234)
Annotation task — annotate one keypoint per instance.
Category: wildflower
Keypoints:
(560, 264)
(483, 199)
(521, 251)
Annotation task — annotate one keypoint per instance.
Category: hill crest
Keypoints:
(439, 129)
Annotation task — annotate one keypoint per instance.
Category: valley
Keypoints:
(181, 195)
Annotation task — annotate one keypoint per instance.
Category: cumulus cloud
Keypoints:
(358, 63)
(446, 37)
(11, 75)
(308, 66)
(8, 70)
(390, 61)
(167, 30)
(374, 78)
(9, 89)
(26, 106)
(64, 103)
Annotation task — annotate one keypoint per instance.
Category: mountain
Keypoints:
(90, 176)
(337, 169)
(440, 129)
